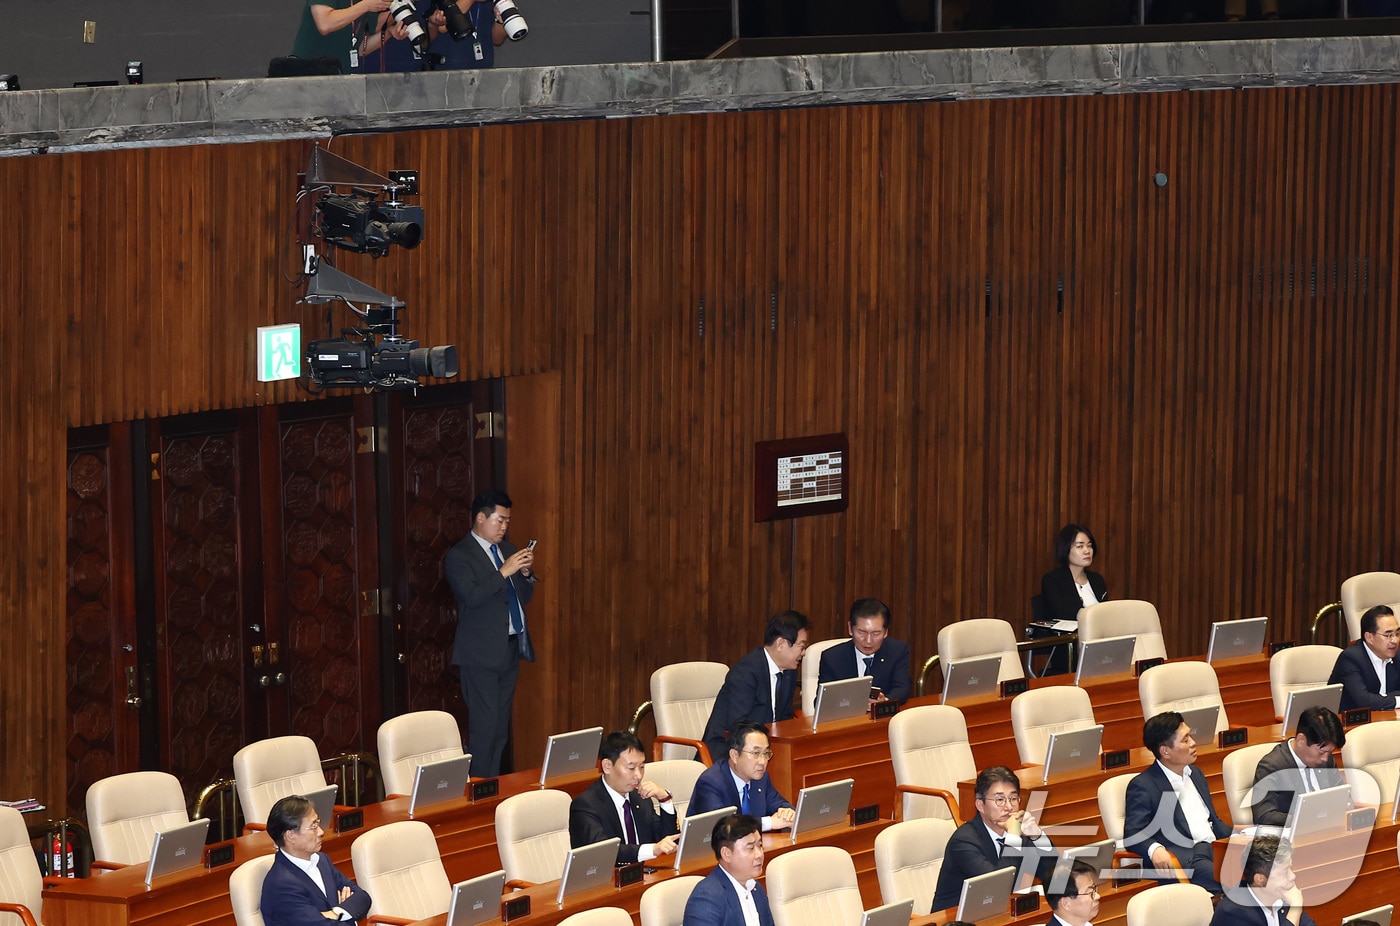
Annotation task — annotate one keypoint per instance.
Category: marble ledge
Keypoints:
(34, 122)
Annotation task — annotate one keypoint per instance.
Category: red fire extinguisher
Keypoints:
(61, 856)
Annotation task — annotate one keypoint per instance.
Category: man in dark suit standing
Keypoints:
(1304, 763)
(1000, 836)
(1366, 670)
(742, 780)
(722, 898)
(619, 805)
(303, 888)
(492, 582)
(1169, 819)
(871, 651)
(760, 686)
(1265, 881)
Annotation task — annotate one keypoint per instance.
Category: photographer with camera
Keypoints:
(344, 30)
(462, 34)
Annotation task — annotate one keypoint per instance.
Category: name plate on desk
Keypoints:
(1127, 873)
(1115, 759)
(513, 908)
(484, 789)
(348, 820)
(882, 709)
(630, 873)
(1356, 715)
(1281, 645)
(1014, 686)
(221, 853)
(1236, 736)
(1362, 818)
(867, 814)
(1024, 904)
(1142, 665)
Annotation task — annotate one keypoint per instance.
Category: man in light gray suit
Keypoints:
(492, 582)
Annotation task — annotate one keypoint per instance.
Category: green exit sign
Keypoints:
(279, 352)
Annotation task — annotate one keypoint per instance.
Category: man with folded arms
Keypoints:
(1366, 670)
(998, 837)
(1307, 762)
(1169, 817)
(731, 895)
(1266, 879)
(619, 805)
(742, 780)
(1073, 894)
(303, 888)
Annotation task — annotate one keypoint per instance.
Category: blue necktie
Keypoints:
(868, 661)
(744, 804)
(517, 616)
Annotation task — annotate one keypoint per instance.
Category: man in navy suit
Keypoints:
(1072, 892)
(492, 582)
(871, 652)
(1002, 835)
(619, 805)
(1307, 762)
(742, 780)
(303, 888)
(1169, 817)
(1266, 879)
(1363, 666)
(722, 897)
(760, 686)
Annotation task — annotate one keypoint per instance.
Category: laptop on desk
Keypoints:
(1319, 813)
(971, 678)
(435, 782)
(986, 896)
(822, 805)
(1071, 750)
(323, 799)
(1230, 639)
(898, 913)
(570, 753)
(1203, 722)
(1109, 656)
(696, 833)
(177, 848)
(1379, 915)
(477, 901)
(1300, 699)
(588, 867)
(842, 700)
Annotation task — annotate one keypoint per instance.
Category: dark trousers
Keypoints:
(489, 692)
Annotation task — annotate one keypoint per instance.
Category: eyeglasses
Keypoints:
(312, 827)
(1089, 892)
(1389, 634)
(1004, 800)
(759, 753)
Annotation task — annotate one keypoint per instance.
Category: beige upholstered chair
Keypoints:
(1122, 618)
(245, 890)
(1364, 591)
(682, 696)
(1180, 686)
(678, 777)
(1037, 713)
(1373, 748)
(814, 887)
(601, 916)
(21, 884)
(811, 671)
(126, 811)
(663, 904)
(399, 866)
(931, 753)
(1171, 905)
(1299, 667)
(981, 636)
(410, 740)
(532, 835)
(1238, 776)
(1113, 805)
(268, 770)
(908, 857)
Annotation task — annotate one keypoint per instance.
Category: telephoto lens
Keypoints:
(404, 13)
(510, 17)
(459, 25)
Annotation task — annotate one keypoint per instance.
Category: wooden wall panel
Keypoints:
(1013, 323)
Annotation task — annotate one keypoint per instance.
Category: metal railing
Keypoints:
(1332, 612)
(354, 772)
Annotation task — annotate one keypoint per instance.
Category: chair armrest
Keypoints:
(21, 911)
(254, 828)
(106, 866)
(516, 884)
(948, 798)
(702, 752)
(389, 920)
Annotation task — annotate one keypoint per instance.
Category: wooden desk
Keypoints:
(1113, 905)
(860, 748)
(858, 841)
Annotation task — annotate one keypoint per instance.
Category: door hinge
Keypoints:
(490, 424)
(369, 440)
(369, 602)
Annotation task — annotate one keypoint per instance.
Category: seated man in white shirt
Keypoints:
(619, 804)
(1169, 819)
(1072, 892)
(1266, 878)
(303, 888)
(731, 895)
